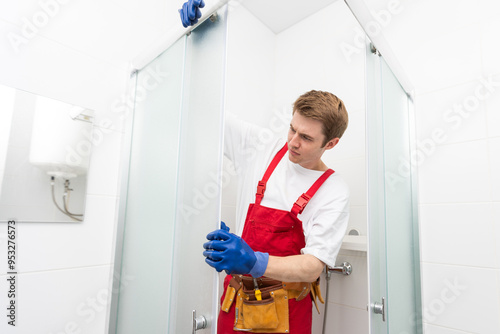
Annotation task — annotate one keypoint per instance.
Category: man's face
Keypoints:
(305, 141)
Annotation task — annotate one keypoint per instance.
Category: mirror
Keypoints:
(44, 157)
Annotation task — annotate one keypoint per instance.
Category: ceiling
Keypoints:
(279, 15)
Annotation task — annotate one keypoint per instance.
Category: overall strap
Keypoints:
(261, 187)
(302, 201)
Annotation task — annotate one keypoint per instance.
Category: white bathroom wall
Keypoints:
(65, 269)
(459, 198)
(266, 72)
(249, 83)
(7, 102)
(308, 56)
(449, 51)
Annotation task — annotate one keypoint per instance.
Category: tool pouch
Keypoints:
(316, 294)
(260, 314)
(269, 315)
(297, 290)
(233, 287)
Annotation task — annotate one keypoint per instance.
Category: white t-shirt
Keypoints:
(325, 217)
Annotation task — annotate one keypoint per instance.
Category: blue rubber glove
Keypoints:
(226, 251)
(223, 226)
(190, 12)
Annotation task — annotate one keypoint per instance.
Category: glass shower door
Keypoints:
(173, 191)
(194, 283)
(393, 245)
(142, 279)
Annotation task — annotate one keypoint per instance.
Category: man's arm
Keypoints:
(229, 252)
(295, 268)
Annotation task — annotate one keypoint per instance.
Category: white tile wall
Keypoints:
(353, 172)
(249, 83)
(458, 182)
(431, 329)
(453, 298)
(250, 67)
(426, 23)
(448, 50)
(108, 37)
(357, 219)
(493, 109)
(7, 101)
(70, 245)
(63, 301)
(352, 143)
(456, 111)
(64, 267)
(69, 72)
(489, 29)
(309, 57)
(456, 173)
(343, 319)
(494, 160)
(349, 291)
(489, 8)
(496, 233)
(105, 162)
(465, 229)
(446, 63)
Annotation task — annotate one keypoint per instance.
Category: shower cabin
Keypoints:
(177, 186)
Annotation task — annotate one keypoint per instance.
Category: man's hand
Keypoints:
(190, 12)
(226, 251)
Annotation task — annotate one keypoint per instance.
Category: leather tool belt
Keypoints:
(262, 303)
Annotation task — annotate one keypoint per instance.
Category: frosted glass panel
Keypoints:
(194, 282)
(143, 304)
(403, 298)
(376, 190)
(393, 252)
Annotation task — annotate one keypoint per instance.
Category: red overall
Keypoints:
(279, 233)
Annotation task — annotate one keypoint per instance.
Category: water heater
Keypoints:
(60, 140)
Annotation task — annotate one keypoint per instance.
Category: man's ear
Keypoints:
(332, 143)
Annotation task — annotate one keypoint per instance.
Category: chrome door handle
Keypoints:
(379, 308)
(199, 322)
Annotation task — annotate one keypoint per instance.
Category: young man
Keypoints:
(294, 224)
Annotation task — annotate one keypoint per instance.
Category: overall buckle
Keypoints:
(301, 203)
(261, 188)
